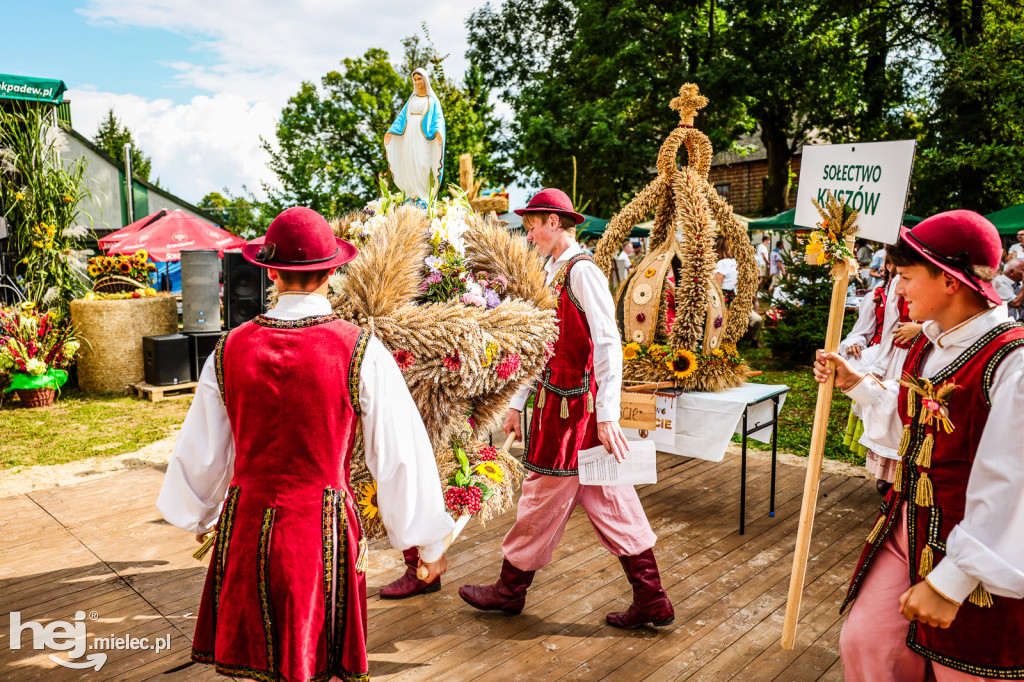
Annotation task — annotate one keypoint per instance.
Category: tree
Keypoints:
(970, 151)
(240, 215)
(111, 137)
(330, 141)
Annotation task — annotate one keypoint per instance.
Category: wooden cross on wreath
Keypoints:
(687, 103)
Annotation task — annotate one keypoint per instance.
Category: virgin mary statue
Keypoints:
(415, 141)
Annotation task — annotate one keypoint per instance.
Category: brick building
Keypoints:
(741, 178)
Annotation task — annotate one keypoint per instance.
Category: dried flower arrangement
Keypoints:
(463, 307)
(673, 316)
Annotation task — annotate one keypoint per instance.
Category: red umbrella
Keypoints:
(165, 238)
(130, 228)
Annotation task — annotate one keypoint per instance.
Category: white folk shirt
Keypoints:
(987, 545)
(590, 287)
(398, 451)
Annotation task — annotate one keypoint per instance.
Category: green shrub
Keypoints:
(803, 319)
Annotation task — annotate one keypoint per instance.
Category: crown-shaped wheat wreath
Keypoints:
(672, 314)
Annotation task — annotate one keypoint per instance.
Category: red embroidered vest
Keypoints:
(904, 309)
(564, 421)
(932, 476)
(879, 316)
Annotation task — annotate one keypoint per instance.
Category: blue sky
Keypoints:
(199, 81)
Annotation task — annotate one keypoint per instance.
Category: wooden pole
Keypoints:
(814, 459)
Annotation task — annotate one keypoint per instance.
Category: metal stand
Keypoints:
(747, 430)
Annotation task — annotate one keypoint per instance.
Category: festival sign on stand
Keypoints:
(847, 190)
(870, 177)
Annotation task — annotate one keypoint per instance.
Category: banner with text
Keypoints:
(871, 177)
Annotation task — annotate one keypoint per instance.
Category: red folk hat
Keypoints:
(551, 200)
(299, 239)
(955, 239)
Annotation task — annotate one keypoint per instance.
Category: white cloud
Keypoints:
(250, 56)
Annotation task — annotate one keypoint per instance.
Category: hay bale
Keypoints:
(112, 332)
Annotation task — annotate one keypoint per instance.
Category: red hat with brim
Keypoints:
(299, 239)
(953, 240)
(551, 200)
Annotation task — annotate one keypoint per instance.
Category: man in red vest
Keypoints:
(264, 455)
(576, 407)
(940, 585)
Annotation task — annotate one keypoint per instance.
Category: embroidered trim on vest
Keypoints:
(962, 666)
(354, 367)
(224, 529)
(993, 365)
(890, 519)
(263, 585)
(327, 545)
(273, 323)
(964, 357)
(341, 602)
(218, 366)
(550, 472)
(545, 381)
(245, 671)
(562, 275)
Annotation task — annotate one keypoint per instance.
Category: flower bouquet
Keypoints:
(120, 273)
(35, 348)
(464, 308)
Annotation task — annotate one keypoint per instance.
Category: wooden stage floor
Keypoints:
(101, 548)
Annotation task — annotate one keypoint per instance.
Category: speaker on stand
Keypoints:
(200, 291)
(245, 290)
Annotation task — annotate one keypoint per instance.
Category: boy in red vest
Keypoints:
(576, 407)
(264, 455)
(939, 588)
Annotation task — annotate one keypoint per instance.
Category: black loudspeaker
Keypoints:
(200, 290)
(166, 359)
(245, 290)
(200, 346)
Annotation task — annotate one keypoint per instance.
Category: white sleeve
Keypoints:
(986, 546)
(878, 402)
(518, 401)
(864, 328)
(202, 464)
(591, 289)
(1004, 290)
(400, 458)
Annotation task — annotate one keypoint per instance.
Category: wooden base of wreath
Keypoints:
(36, 397)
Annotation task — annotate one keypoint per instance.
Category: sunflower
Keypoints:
(682, 362)
(368, 501)
(630, 350)
(491, 471)
(94, 270)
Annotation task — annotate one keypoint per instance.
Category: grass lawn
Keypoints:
(797, 415)
(80, 425)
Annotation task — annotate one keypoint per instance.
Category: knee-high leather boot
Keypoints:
(650, 603)
(507, 595)
(409, 585)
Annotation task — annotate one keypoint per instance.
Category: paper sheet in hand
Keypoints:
(597, 466)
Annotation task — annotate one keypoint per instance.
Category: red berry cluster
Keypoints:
(463, 499)
(488, 454)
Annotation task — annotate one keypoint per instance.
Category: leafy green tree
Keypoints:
(240, 215)
(111, 137)
(803, 313)
(969, 153)
(330, 141)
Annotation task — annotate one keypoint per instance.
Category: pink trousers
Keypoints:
(547, 503)
(873, 644)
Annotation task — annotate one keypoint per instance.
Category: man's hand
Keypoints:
(512, 421)
(613, 440)
(906, 332)
(435, 569)
(846, 377)
(854, 351)
(922, 603)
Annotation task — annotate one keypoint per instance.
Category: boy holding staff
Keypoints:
(940, 584)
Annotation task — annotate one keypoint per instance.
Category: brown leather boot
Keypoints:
(650, 603)
(409, 585)
(507, 595)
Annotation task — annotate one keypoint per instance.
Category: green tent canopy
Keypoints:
(31, 89)
(784, 221)
(1009, 220)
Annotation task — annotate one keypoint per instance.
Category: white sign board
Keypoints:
(664, 432)
(871, 177)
